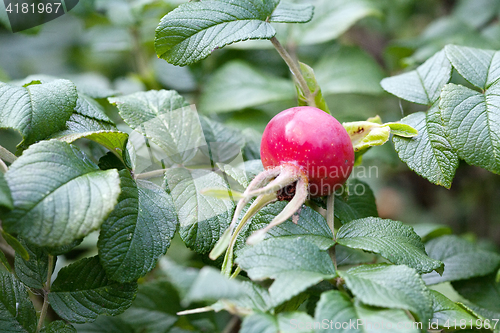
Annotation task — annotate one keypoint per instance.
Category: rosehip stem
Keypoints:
(295, 69)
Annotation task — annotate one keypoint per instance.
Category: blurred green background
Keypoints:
(351, 44)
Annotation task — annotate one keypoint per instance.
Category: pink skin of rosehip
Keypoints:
(314, 142)
(304, 146)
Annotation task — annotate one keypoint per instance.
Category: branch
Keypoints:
(46, 290)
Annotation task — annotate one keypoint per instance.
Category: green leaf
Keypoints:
(138, 231)
(403, 130)
(182, 278)
(479, 67)
(472, 122)
(287, 12)
(336, 311)
(422, 85)
(105, 324)
(165, 118)
(358, 202)
(58, 326)
(244, 172)
(284, 322)
(17, 313)
(224, 144)
(348, 256)
(237, 85)
(393, 240)
(203, 219)
(462, 259)
(115, 141)
(397, 287)
(210, 285)
(366, 134)
(428, 231)
(186, 35)
(154, 309)
(6, 203)
(314, 88)
(348, 69)
(482, 291)
(88, 116)
(32, 272)
(37, 110)
(16, 245)
(294, 264)
(310, 226)
(81, 292)
(332, 18)
(5, 262)
(69, 195)
(430, 153)
(446, 310)
(78, 123)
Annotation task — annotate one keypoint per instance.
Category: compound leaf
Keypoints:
(68, 198)
(81, 292)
